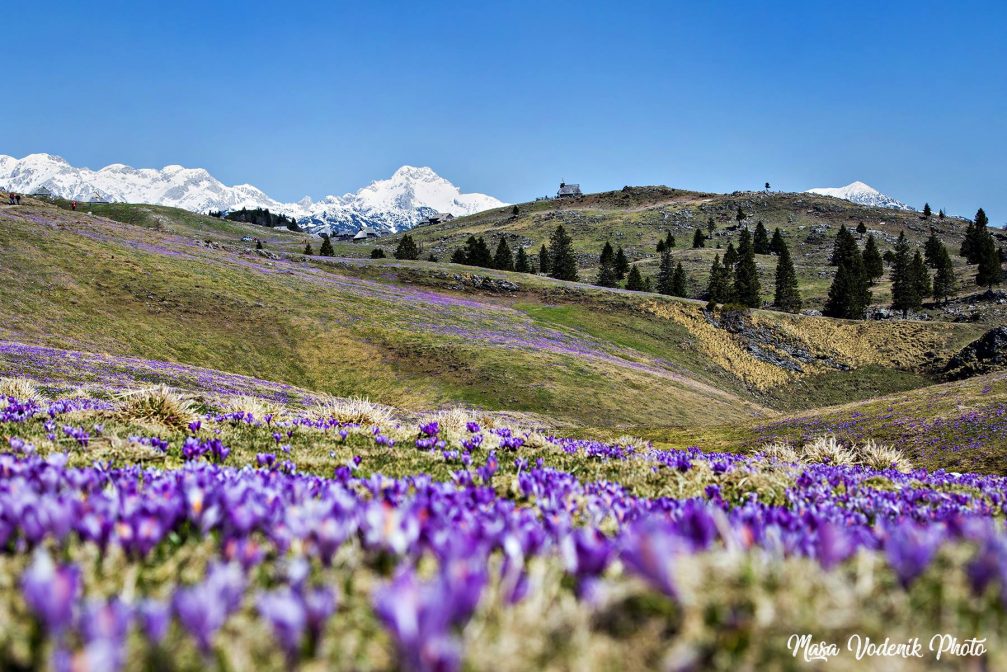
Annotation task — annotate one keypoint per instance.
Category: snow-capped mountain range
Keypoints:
(386, 206)
(862, 194)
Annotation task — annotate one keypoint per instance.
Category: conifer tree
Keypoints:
(920, 277)
(458, 257)
(606, 276)
(258, 244)
(431, 257)
(377, 253)
(786, 297)
(660, 246)
(544, 265)
(514, 211)
(634, 281)
(503, 260)
(740, 215)
(718, 290)
(326, 249)
(941, 214)
(905, 288)
(477, 253)
(990, 271)
(926, 211)
(665, 275)
(669, 241)
(931, 249)
(711, 225)
(607, 255)
(730, 262)
(845, 247)
(562, 261)
(861, 228)
(944, 278)
(308, 250)
(776, 244)
(521, 264)
(407, 249)
(679, 281)
(874, 265)
(698, 239)
(760, 241)
(747, 290)
(621, 264)
(972, 245)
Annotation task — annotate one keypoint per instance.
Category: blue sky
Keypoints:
(508, 98)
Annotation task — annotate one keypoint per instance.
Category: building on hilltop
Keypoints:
(436, 218)
(365, 233)
(42, 192)
(568, 190)
(98, 199)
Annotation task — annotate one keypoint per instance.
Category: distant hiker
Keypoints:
(73, 205)
(17, 198)
(10, 198)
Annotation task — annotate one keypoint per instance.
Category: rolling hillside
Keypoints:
(184, 288)
(636, 218)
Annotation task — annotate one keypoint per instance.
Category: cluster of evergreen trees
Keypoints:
(262, 217)
(613, 267)
(980, 248)
(850, 293)
(477, 253)
(736, 278)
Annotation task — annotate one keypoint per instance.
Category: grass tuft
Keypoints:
(159, 404)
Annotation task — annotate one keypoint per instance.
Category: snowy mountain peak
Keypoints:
(862, 194)
(398, 203)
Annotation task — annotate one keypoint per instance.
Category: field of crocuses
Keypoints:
(147, 530)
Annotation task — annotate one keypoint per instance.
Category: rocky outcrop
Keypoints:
(988, 353)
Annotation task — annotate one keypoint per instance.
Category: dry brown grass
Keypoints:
(20, 388)
(159, 404)
(354, 410)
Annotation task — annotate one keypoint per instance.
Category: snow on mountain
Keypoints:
(387, 206)
(862, 194)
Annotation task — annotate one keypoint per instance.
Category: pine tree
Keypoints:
(711, 226)
(621, 264)
(458, 257)
(607, 255)
(931, 249)
(718, 290)
(944, 278)
(905, 296)
(787, 297)
(740, 215)
(521, 262)
(544, 265)
(669, 241)
(258, 244)
(850, 294)
(926, 211)
(760, 241)
(941, 214)
(972, 246)
(845, 247)
(503, 260)
(679, 282)
(660, 246)
(477, 253)
(326, 249)
(308, 250)
(920, 277)
(606, 276)
(377, 253)
(665, 275)
(730, 263)
(634, 281)
(562, 261)
(990, 271)
(432, 257)
(747, 290)
(514, 211)
(698, 239)
(776, 244)
(874, 264)
(861, 228)
(407, 249)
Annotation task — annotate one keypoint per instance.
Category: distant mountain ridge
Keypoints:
(386, 206)
(862, 194)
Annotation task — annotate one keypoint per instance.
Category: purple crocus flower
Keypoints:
(154, 617)
(105, 626)
(51, 591)
(649, 551)
(419, 616)
(910, 549)
(285, 611)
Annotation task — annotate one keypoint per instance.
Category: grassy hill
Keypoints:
(636, 218)
(169, 285)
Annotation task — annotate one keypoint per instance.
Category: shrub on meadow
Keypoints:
(159, 404)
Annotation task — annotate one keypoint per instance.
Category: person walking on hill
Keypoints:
(17, 197)
(73, 205)
(10, 198)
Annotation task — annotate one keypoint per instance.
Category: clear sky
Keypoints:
(508, 98)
